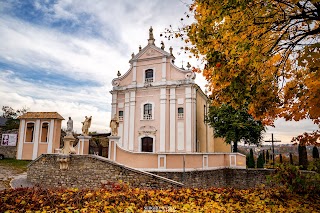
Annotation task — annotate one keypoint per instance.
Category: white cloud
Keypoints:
(286, 130)
(66, 101)
(47, 49)
(75, 55)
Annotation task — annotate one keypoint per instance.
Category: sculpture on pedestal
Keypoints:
(68, 140)
(69, 126)
(86, 125)
(114, 124)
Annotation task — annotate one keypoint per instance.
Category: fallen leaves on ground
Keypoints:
(126, 199)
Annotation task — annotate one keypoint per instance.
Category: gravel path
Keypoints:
(12, 178)
(20, 181)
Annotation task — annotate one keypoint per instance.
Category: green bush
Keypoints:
(314, 165)
(315, 153)
(260, 161)
(303, 156)
(251, 163)
(293, 179)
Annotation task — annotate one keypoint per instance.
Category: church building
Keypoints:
(161, 113)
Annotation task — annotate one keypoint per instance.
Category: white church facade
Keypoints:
(161, 113)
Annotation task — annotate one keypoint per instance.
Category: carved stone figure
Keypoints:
(86, 125)
(114, 124)
(151, 33)
(64, 162)
(151, 38)
(69, 126)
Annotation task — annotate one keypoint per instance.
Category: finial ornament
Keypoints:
(118, 74)
(132, 55)
(139, 48)
(162, 45)
(151, 38)
(188, 66)
(171, 50)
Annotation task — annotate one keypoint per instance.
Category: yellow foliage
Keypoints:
(264, 55)
(170, 200)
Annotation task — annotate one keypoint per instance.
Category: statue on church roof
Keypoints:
(151, 33)
(151, 38)
(162, 45)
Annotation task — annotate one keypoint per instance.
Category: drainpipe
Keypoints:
(197, 145)
(207, 142)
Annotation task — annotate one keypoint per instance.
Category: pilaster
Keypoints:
(163, 102)
(126, 121)
(132, 113)
(134, 73)
(188, 118)
(172, 119)
(50, 139)
(164, 69)
(36, 139)
(21, 138)
(114, 104)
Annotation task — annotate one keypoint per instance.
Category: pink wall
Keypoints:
(151, 161)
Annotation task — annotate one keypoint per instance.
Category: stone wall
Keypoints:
(8, 151)
(90, 171)
(236, 178)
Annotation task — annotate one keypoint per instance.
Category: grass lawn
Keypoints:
(20, 165)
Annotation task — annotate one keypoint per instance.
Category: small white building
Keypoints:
(39, 133)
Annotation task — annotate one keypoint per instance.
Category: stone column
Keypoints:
(112, 149)
(83, 145)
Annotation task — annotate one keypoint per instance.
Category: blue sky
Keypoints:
(61, 55)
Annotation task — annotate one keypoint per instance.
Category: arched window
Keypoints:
(29, 132)
(146, 144)
(44, 132)
(149, 75)
(180, 113)
(147, 111)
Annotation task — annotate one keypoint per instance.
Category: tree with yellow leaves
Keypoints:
(262, 54)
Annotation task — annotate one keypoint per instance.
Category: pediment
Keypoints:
(150, 51)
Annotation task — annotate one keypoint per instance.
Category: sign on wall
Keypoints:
(9, 140)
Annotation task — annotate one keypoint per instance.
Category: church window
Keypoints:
(44, 132)
(29, 132)
(121, 115)
(146, 144)
(180, 113)
(149, 76)
(147, 111)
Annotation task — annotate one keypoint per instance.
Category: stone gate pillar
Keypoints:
(112, 149)
(83, 145)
